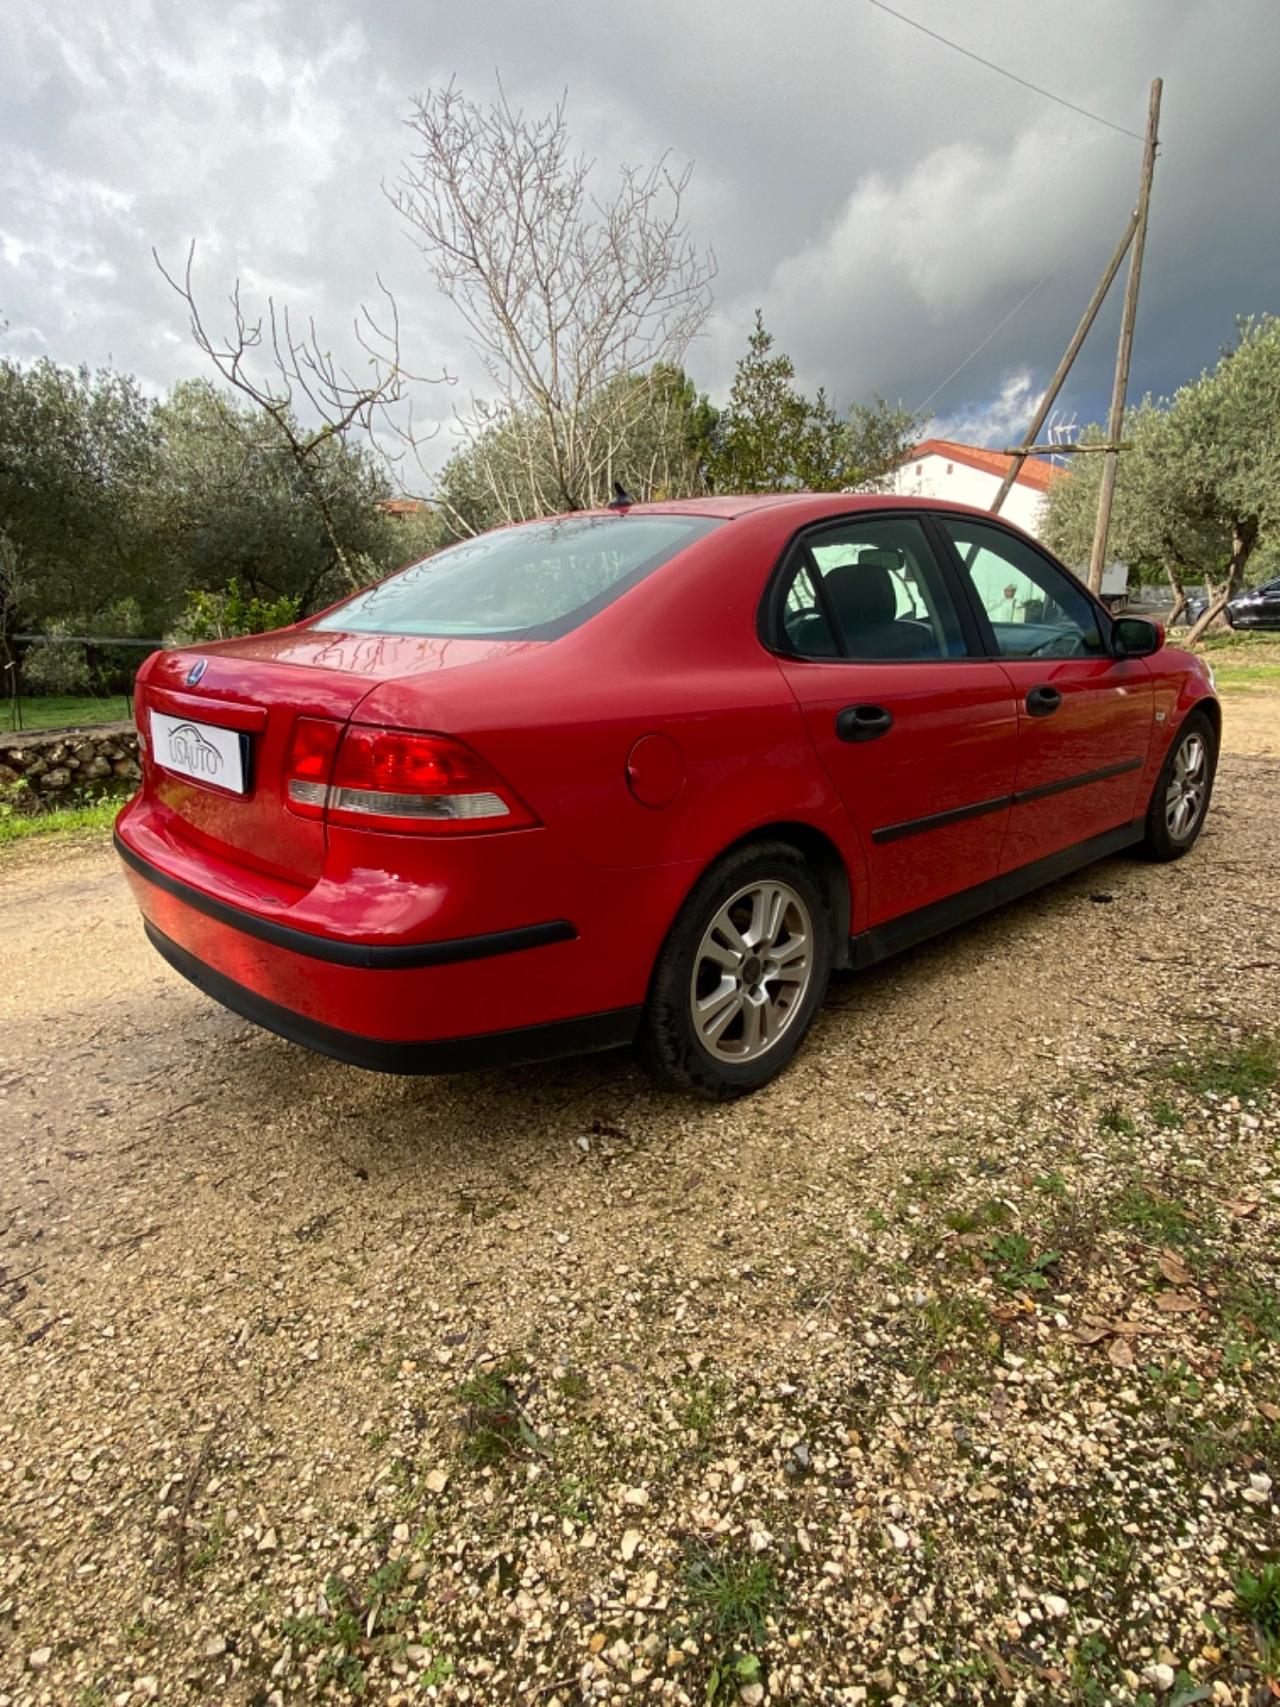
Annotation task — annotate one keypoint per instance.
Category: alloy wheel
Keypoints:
(1187, 792)
(752, 971)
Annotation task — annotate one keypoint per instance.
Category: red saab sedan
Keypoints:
(646, 776)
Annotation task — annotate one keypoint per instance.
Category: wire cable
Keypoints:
(977, 351)
(1011, 75)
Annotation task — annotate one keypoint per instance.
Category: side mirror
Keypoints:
(1135, 637)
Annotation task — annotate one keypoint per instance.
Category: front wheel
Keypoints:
(1180, 798)
(742, 973)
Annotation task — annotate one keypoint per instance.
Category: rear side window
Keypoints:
(871, 590)
(532, 582)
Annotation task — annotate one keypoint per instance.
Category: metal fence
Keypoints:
(103, 668)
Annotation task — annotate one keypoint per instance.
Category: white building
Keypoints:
(970, 474)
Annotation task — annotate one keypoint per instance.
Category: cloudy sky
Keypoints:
(884, 200)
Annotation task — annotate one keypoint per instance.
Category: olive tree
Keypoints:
(1152, 529)
(78, 457)
(236, 504)
(307, 398)
(1198, 488)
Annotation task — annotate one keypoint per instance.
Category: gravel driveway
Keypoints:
(945, 1369)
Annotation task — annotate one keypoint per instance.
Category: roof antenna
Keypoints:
(622, 499)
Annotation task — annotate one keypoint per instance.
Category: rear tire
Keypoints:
(741, 975)
(1180, 798)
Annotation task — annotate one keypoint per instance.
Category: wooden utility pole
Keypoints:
(1064, 366)
(1115, 424)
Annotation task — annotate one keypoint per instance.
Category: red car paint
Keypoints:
(644, 743)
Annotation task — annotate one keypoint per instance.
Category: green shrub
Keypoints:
(222, 615)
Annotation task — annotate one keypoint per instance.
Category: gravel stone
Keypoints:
(816, 1394)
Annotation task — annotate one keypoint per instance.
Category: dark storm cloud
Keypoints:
(885, 201)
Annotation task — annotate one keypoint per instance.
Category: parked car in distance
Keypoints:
(646, 776)
(1254, 607)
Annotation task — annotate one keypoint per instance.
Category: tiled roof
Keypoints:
(1033, 472)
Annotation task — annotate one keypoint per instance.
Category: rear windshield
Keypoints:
(523, 583)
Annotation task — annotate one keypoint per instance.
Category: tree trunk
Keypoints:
(1244, 535)
(10, 660)
(1174, 573)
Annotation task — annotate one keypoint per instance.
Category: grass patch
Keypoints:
(20, 827)
(1249, 1068)
(1052, 1184)
(1165, 1114)
(1265, 645)
(67, 711)
(376, 1619)
(1015, 1264)
(575, 1497)
(932, 1176)
(1252, 1309)
(955, 1315)
(701, 1405)
(1258, 1597)
(730, 1596)
(572, 1385)
(1159, 1220)
(1113, 1119)
(1228, 676)
(731, 1593)
(493, 1423)
(994, 1212)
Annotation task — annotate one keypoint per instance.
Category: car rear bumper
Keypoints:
(528, 992)
(543, 1042)
(339, 951)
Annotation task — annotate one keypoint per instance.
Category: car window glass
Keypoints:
(805, 623)
(1035, 610)
(879, 582)
(534, 581)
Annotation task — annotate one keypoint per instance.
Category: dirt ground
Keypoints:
(944, 1369)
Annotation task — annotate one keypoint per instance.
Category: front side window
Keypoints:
(869, 590)
(1034, 608)
(522, 583)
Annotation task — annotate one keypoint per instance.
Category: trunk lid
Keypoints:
(256, 688)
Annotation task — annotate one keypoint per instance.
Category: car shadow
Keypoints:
(203, 1066)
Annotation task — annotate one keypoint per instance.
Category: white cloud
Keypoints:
(886, 202)
(1000, 420)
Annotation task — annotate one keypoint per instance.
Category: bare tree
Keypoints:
(563, 293)
(310, 401)
(9, 599)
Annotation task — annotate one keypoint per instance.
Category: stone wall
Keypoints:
(57, 767)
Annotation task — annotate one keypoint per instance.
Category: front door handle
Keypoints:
(863, 722)
(1043, 701)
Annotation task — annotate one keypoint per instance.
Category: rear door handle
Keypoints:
(863, 722)
(1043, 701)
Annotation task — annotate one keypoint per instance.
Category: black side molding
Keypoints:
(936, 820)
(581, 1036)
(1044, 789)
(867, 948)
(957, 814)
(371, 957)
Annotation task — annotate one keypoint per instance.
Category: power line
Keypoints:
(1011, 75)
(977, 351)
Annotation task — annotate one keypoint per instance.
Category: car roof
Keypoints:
(731, 506)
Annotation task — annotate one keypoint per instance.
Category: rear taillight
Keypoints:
(310, 764)
(396, 779)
